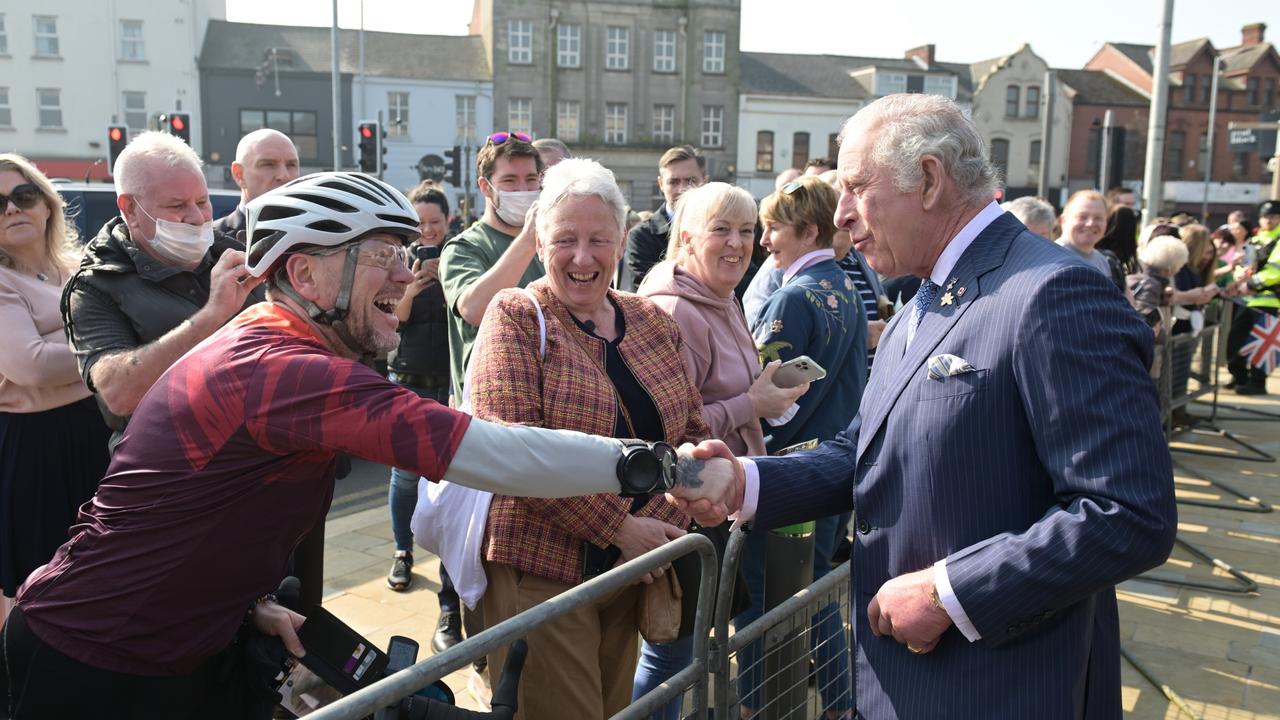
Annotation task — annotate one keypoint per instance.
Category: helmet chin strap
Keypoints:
(335, 317)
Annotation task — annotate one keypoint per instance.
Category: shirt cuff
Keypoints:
(951, 603)
(785, 417)
(750, 494)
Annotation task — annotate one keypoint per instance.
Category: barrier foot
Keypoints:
(1254, 505)
(1244, 585)
(1164, 689)
(1199, 427)
(1263, 415)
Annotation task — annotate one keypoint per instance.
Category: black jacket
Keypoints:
(231, 225)
(646, 246)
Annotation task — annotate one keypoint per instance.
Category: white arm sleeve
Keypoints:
(534, 462)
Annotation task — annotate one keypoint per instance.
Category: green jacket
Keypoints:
(1266, 281)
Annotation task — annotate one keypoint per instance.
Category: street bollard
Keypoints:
(788, 569)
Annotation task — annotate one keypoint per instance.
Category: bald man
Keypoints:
(265, 160)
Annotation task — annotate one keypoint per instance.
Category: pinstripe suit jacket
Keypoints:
(1042, 477)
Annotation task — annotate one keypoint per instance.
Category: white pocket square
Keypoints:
(945, 366)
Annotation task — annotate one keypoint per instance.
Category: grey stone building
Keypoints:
(619, 81)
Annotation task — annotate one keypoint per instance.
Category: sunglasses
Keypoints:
(791, 187)
(500, 137)
(24, 197)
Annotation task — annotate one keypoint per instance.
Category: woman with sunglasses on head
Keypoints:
(53, 442)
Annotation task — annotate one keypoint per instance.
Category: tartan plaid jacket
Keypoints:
(565, 389)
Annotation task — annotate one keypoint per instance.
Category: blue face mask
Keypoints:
(180, 243)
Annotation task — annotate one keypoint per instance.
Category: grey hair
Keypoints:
(1032, 211)
(1165, 254)
(151, 147)
(908, 127)
(579, 177)
(554, 144)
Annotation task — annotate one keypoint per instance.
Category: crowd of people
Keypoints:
(178, 394)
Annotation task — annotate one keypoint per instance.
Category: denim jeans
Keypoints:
(826, 635)
(658, 662)
(402, 498)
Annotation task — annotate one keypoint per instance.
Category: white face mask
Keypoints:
(513, 206)
(180, 243)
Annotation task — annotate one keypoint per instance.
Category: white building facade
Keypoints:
(70, 68)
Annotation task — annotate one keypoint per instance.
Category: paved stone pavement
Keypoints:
(1219, 652)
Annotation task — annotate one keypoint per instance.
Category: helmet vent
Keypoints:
(330, 226)
(328, 202)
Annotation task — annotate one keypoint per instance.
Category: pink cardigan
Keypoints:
(37, 369)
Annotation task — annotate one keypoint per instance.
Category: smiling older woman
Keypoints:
(611, 367)
(53, 442)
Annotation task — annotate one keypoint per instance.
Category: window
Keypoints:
(1240, 165)
(6, 112)
(1011, 101)
(712, 126)
(135, 110)
(1252, 88)
(799, 150)
(300, 126)
(764, 151)
(567, 123)
(664, 51)
(617, 48)
(1033, 101)
(1035, 155)
(664, 123)
(520, 42)
(1000, 156)
(890, 83)
(49, 102)
(398, 114)
(1269, 97)
(1173, 154)
(1202, 161)
(615, 123)
(1189, 89)
(915, 84)
(1206, 89)
(940, 85)
(833, 146)
(4, 37)
(569, 46)
(520, 115)
(713, 51)
(46, 27)
(131, 47)
(464, 114)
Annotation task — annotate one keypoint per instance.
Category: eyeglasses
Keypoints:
(382, 255)
(24, 197)
(500, 137)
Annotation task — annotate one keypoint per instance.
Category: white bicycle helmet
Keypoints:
(323, 209)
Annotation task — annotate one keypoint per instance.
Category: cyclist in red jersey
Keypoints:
(225, 465)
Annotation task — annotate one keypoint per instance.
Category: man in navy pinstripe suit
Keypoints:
(1007, 465)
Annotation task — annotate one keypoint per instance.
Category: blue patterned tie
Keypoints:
(924, 298)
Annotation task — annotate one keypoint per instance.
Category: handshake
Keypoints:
(708, 483)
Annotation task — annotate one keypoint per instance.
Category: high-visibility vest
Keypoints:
(1266, 281)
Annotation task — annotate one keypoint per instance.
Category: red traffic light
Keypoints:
(366, 131)
(115, 134)
(177, 122)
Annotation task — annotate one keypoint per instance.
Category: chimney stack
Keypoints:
(923, 54)
(1253, 34)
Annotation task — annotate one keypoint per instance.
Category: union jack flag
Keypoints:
(1263, 347)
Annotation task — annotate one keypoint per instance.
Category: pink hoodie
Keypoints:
(719, 355)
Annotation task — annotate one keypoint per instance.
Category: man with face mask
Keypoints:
(497, 252)
(155, 281)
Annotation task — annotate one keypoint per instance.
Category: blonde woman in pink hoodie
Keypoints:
(712, 234)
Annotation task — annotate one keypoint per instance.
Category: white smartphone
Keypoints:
(798, 371)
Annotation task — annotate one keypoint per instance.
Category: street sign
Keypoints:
(431, 167)
(1243, 140)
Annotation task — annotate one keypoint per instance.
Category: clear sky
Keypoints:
(1064, 33)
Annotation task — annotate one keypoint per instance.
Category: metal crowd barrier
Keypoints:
(391, 690)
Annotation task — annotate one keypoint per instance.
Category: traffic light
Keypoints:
(180, 125)
(453, 166)
(117, 139)
(370, 142)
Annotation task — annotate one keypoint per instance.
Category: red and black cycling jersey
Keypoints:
(227, 462)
